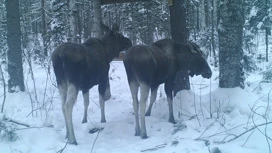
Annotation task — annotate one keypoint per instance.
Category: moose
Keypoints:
(82, 66)
(149, 66)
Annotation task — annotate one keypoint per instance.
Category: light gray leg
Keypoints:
(68, 108)
(134, 93)
(144, 89)
(152, 100)
(63, 95)
(102, 105)
(86, 105)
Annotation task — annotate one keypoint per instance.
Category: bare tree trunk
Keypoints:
(207, 16)
(98, 33)
(266, 43)
(97, 11)
(74, 30)
(87, 20)
(179, 33)
(134, 38)
(15, 62)
(213, 45)
(44, 29)
(230, 32)
(149, 29)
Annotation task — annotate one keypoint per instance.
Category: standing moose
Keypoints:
(80, 67)
(149, 66)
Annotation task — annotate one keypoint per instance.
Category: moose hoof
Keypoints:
(172, 120)
(143, 136)
(72, 142)
(137, 133)
(84, 121)
(147, 114)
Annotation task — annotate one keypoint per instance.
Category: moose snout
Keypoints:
(207, 74)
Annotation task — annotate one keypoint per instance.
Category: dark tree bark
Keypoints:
(207, 14)
(75, 23)
(179, 33)
(97, 12)
(87, 19)
(267, 33)
(213, 43)
(230, 30)
(44, 29)
(98, 33)
(15, 64)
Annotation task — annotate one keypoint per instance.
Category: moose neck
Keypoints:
(183, 59)
(110, 48)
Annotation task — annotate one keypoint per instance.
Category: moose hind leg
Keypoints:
(144, 90)
(152, 100)
(102, 91)
(72, 92)
(134, 87)
(63, 95)
(86, 105)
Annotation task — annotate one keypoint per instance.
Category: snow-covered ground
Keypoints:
(233, 120)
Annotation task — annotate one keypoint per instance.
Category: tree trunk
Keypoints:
(230, 30)
(207, 14)
(213, 45)
(15, 63)
(98, 34)
(97, 12)
(179, 33)
(266, 43)
(87, 20)
(44, 29)
(74, 24)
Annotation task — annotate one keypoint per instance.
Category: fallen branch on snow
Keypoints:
(16, 122)
(155, 148)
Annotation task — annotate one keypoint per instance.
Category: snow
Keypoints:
(233, 111)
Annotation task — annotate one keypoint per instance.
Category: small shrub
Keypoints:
(7, 131)
(267, 75)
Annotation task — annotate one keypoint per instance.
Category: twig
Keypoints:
(16, 122)
(210, 95)
(4, 85)
(95, 140)
(248, 138)
(266, 111)
(61, 150)
(222, 142)
(155, 148)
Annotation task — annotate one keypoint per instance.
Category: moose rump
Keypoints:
(80, 67)
(149, 66)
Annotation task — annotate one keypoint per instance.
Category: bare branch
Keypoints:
(61, 150)
(155, 148)
(236, 137)
(16, 122)
(4, 85)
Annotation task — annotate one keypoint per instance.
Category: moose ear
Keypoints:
(191, 48)
(104, 27)
(115, 28)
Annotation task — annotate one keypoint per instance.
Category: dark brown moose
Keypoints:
(80, 67)
(149, 66)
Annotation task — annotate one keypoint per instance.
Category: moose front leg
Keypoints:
(168, 87)
(86, 105)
